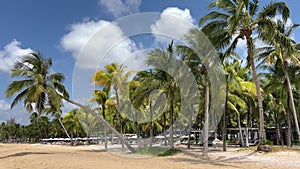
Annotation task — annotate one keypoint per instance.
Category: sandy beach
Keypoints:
(23, 156)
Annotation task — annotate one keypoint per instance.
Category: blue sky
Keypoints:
(59, 29)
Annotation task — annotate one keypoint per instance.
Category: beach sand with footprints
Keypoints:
(31, 156)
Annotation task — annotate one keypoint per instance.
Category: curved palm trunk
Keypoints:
(292, 99)
(257, 85)
(65, 130)
(206, 119)
(104, 122)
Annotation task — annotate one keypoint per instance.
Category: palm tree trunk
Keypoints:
(257, 85)
(171, 121)
(206, 119)
(292, 99)
(120, 118)
(120, 136)
(62, 125)
(165, 137)
(224, 119)
(289, 131)
(150, 124)
(105, 134)
(240, 129)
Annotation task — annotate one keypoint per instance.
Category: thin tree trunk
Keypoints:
(62, 125)
(120, 117)
(259, 97)
(289, 131)
(240, 129)
(105, 133)
(171, 122)
(150, 124)
(165, 137)
(102, 120)
(206, 119)
(292, 99)
(277, 129)
(190, 128)
(224, 134)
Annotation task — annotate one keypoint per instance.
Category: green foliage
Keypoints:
(157, 151)
(268, 142)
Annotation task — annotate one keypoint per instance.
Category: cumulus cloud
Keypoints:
(4, 105)
(94, 42)
(121, 7)
(173, 23)
(11, 53)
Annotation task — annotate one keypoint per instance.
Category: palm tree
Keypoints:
(235, 20)
(114, 77)
(159, 59)
(40, 87)
(72, 123)
(283, 49)
(37, 87)
(101, 98)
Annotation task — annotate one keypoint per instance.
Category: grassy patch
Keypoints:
(157, 151)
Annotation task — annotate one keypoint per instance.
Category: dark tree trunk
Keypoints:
(165, 138)
(224, 134)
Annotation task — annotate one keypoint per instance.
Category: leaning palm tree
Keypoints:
(37, 87)
(240, 19)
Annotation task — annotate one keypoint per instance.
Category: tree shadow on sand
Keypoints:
(22, 154)
(194, 157)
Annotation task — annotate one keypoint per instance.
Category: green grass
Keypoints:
(157, 151)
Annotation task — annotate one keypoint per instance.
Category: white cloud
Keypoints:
(93, 41)
(4, 105)
(173, 23)
(121, 7)
(10, 54)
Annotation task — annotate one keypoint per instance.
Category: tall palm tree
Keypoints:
(159, 59)
(37, 87)
(40, 87)
(114, 78)
(240, 19)
(283, 49)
